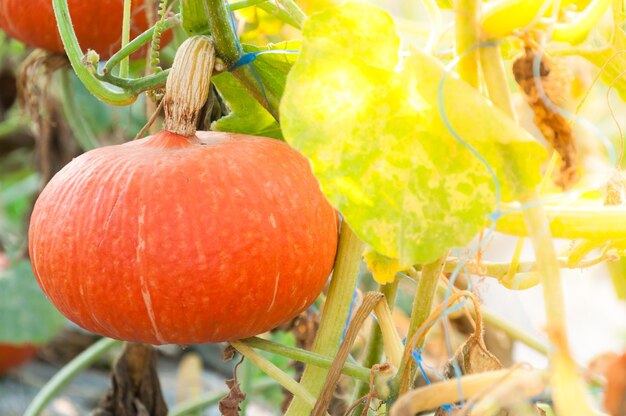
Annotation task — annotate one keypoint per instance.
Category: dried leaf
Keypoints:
(135, 389)
(229, 405)
(229, 353)
(553, 126)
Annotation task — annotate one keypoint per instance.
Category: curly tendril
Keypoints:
(155, 61)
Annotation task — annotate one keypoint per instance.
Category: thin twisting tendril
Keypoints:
(155, 61)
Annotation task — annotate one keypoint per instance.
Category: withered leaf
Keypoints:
(135, 389)
(229, 405)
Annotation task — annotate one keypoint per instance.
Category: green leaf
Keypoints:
(26, 315)
(248, 116)
(372, 129)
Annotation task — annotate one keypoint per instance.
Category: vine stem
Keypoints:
(136, 43)
(67, 373)
(569, 396)
(466, 38)
(334, 315)
(229, 50)
(355, 371)
(422, 306)
(276, 373)
(374, 349)
(125, 64)
(75, 55)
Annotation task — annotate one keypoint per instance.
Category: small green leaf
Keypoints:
(372, 128)
(248, 116)
(383, 268)
(26, 315)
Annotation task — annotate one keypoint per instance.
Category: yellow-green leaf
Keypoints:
(372, 128)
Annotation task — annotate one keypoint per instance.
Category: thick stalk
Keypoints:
(276, 373)
(424, 294)
(352, 370)
(223, 32)
(228, 49)
(569, 396)
(495, 75)
(422, 306)
(374, 349)
(67, 373)
(334, 315)
(75, 55)
(466, 39)
(188, 84)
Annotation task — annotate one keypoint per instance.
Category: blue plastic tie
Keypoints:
(248, 58)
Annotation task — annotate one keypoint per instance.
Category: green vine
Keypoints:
(67, 373)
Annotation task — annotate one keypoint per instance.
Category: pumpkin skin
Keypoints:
(12, 356)
(183, 240)
(97, 23)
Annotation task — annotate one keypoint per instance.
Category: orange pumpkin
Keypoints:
(181, 240)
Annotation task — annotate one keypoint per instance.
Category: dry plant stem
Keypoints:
(402, 380)
(334, 314)
(276, 373)
(391, 340)
(569, 396)
(374, 349)
(437, 394)
(466, 39)
(514, 332)
(188, 84)
(370, 300)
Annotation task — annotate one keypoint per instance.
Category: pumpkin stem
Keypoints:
(187, 87)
